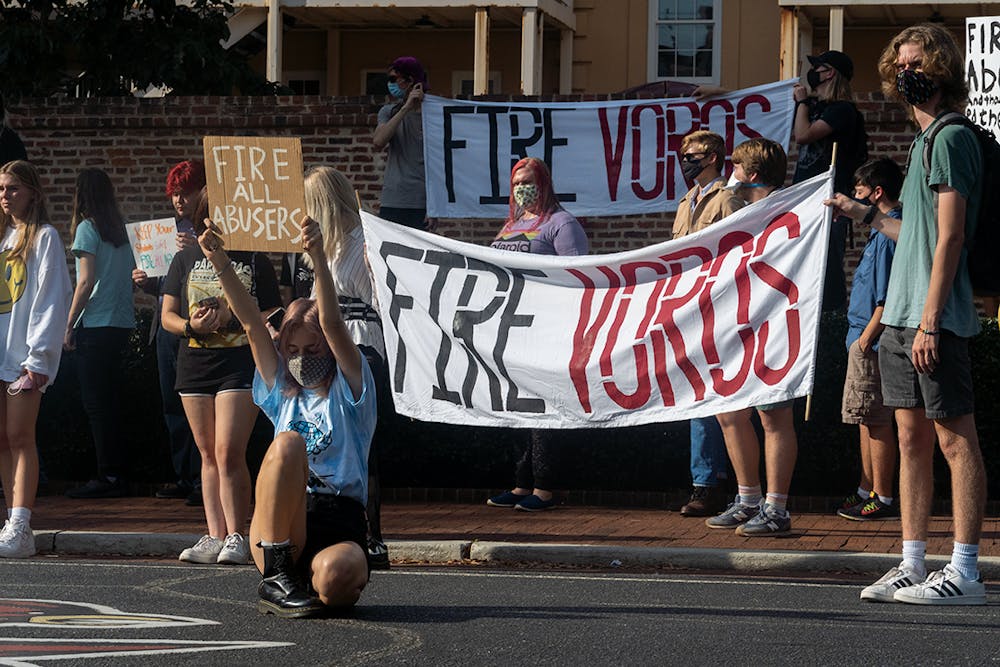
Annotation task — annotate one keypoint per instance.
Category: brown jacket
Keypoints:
(713, 206)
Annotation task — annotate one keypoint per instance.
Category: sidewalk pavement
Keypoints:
(452, 533)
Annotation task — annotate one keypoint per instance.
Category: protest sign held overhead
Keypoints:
(982, 71)
(607, 158)
(255, 191)
(716, 321)
(154, 243)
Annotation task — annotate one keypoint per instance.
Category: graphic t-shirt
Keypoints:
(337, 429)
(848, 133)
(558, 234)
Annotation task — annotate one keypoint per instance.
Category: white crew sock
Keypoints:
(749, 495)
(965, 559)
(914, 553)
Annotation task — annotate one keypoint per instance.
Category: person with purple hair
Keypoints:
(400, 130)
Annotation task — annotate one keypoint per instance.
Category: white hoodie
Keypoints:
(34, 304)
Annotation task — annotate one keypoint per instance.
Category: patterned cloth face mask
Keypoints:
(915, 87)
(395, 90)
(310, 370)
(525, 194)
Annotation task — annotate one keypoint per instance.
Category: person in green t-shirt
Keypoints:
(929, 317)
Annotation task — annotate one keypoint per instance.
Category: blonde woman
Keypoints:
(34, 303)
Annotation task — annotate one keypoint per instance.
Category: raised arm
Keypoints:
(346, 353)
(265, 355)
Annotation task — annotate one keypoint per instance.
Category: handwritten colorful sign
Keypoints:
(154, 243)
(255, 191)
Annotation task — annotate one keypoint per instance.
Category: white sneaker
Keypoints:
(16, 540)
(235, 551)
(945, 586)
(885, 588)
(206, 550)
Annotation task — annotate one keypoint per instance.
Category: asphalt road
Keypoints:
(143, 613)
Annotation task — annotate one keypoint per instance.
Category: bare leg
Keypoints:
(916, 471)
(339, 574)
(280, 509)
(235, 413)
(867, 475)
(780, 448)
(21, 463)
(200, 411)
(960, 445)
(883, 450)
(742, 446)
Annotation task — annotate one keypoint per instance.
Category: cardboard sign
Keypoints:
(154, 243)
(255, 191)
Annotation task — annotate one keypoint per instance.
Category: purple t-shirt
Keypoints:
(559, 234)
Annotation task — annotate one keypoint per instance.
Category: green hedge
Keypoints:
(421, 454)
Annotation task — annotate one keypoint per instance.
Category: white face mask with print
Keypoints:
(310, 370)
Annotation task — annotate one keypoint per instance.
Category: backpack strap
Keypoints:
(942, 121)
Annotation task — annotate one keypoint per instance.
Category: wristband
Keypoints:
(928, 333)
(189, 331)
(218, 274)
(870, 215)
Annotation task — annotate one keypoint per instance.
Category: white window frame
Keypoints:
(458, 76)
(654, 41)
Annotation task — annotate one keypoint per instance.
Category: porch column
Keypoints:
(531, 52)
(481, 60)
(274, 29)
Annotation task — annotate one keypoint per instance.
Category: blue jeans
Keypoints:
(183, 451)
(708, 452)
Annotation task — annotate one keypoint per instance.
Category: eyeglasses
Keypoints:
(693, 157)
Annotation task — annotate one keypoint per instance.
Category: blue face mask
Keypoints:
(395, 90)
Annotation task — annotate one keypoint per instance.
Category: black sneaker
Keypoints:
(872, 509)
(174, 491)
(378, 555)
(100, 488)
(194, 498)
(849, 501)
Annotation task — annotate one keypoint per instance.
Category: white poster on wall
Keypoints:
(982, 70)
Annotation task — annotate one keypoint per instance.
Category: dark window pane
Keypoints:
(665, 65)
(705, 9)
(667, 9)
(703, 63)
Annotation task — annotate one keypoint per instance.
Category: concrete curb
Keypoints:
(580, 555)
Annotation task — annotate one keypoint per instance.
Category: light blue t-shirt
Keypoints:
(956, 162)
(337, 430)
(110, 303)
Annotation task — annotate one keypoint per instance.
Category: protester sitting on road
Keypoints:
(400, 129)
(703, 156)
(317, 390)
(877, 183)
(760, 166)
(36, 295)
(930, 317)
(184, 183)
(214, 377)
(536, 224)
(101, 319)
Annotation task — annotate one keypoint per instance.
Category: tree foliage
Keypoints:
(110, 47)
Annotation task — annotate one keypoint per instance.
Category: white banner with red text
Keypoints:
(724, 319)
(607, 158)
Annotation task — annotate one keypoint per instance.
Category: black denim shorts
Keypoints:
(331, 520)
(943, 394)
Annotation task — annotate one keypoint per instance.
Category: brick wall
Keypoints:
(138, 140)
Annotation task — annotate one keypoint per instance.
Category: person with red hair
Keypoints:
(183, 186)
(537, 223)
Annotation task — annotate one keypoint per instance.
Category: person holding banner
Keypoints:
(101, 319)
(703, 156)
(400, 129)
(826, 117)
(33, 308)
(331, 202)
(317, 390)
(930, 317)
(760, 166)
(537, 223)
(214, 377)
(185, 181)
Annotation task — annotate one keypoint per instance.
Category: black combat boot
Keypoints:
(281, 590)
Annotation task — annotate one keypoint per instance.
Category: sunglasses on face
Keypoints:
(392, 78)
(693, 157)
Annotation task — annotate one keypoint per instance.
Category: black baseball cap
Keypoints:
(835, 59)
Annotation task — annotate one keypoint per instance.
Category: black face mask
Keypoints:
(691, 169)
(915, 87)
(812, 78)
